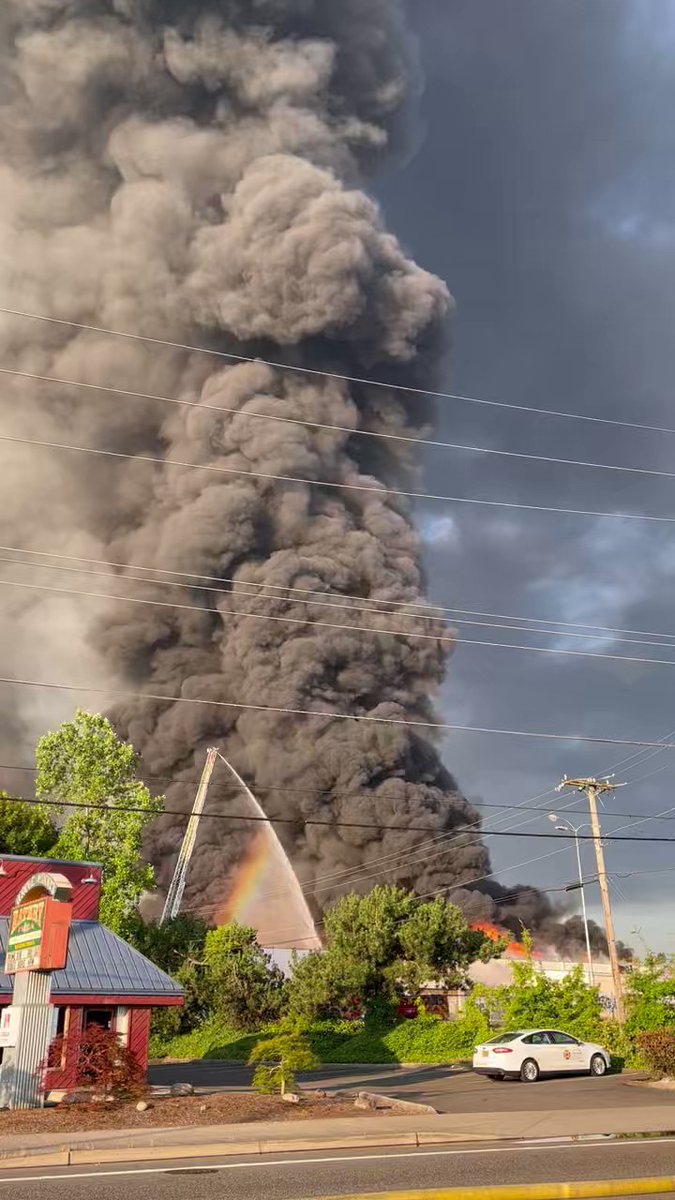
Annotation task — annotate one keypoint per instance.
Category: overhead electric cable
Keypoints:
(306, 622)
(379, 490)
(296, 820)
(350, 430)
(277, 587)
(323, 714)
(315, 372)
(344, 608)
(368, 794)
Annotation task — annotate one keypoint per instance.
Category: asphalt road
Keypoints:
(295, 1177)
(448, 1091)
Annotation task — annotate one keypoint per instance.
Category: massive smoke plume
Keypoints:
(193, 171)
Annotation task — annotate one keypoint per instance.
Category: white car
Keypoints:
(529, 1053)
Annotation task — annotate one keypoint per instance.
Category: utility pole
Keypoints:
(174, 895)
(593, 788)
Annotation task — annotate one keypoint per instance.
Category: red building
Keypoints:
(104, 982)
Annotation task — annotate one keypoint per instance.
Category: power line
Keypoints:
(277, 587)
(379, 490)
(358, 874)
(267, 820)
(319, 713)
(351, 431)
(346, 608)
(314, 372)
(233, 612)
(306, 622)
(366, 793)
(552, 853)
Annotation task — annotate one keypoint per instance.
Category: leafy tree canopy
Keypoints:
(177, 947)
(650, 995)
(25, 828)
(378, 943)
(171, 944)
(84, 763)
(242, 983)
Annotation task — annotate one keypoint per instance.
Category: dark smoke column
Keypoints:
(194, 172)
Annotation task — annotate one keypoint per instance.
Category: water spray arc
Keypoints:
(306, 932)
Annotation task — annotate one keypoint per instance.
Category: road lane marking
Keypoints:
(337, 1158)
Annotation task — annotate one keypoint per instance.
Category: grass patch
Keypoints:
(425, 1040)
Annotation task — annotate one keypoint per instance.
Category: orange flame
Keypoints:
(494, 933)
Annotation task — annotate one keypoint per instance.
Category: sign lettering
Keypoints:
(24, 941)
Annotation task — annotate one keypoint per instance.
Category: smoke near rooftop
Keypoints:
(195, 172)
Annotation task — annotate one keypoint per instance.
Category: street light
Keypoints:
(568, 827)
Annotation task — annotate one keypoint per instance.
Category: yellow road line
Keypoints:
(649, 1186)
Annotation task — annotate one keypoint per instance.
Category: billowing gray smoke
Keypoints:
(192, 171)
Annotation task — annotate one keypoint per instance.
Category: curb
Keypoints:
(539, 1191)
(65, 1156)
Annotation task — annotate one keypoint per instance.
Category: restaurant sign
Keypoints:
(37, 938)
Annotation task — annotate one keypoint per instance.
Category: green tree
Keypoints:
(650, 995)
(172, 943)
(282, 1056)
(177, 946)
(379, 942)
(437, 944)
(25, 828)
(85, 764)
(241, 983)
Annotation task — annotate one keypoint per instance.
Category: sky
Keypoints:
(541, 188)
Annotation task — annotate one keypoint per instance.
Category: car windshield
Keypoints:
(504, 1037)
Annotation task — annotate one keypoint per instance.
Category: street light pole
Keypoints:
(568, 826)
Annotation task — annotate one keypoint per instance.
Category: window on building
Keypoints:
(103, 1017)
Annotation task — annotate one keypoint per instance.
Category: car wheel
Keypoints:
(529, 1072)
(598, 1065)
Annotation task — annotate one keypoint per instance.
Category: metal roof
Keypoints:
(100, 964)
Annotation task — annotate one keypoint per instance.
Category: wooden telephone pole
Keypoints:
(592, 789)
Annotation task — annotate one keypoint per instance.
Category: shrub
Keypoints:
(281, 1057)
(102, 1063)
(650, 995)
(657, 1048)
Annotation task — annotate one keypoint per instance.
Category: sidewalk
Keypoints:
(275, 1137)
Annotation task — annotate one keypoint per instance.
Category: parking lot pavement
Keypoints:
(448, 1091)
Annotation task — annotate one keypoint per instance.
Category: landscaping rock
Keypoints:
(75, 1098)
(182, 1089)
(142, 1106)
(374, 1100)
(291, 1097)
